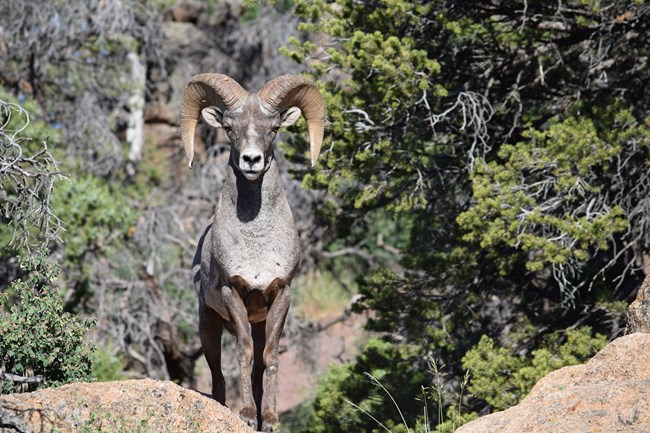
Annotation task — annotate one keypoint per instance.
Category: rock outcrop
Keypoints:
(610, 393)
(132, 405)
(638, 313)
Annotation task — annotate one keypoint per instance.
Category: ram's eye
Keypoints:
(272, 132)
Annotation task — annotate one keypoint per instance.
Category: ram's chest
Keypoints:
(257, 253)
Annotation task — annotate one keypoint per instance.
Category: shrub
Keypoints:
(503, 379)
(36, 336)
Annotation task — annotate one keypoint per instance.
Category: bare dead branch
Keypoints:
(21, 379)
(475, 111)
(26, 183)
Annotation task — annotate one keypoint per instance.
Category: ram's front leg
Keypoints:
(274, 325)
(239, 319)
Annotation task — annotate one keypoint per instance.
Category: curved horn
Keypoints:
(205, 90)
(289, 91)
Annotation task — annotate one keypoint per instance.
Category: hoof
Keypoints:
(248, 414)
(270, 423)
(271, 428)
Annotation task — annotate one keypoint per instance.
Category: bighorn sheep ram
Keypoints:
(249, 253)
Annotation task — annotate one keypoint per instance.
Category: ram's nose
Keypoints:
(251, 163)
(251, 159)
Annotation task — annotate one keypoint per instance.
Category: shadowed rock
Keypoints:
(638, 314)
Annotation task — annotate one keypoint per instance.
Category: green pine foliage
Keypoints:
(545, 196)
(37, 337)
(503, 379)
(370, 135)
(512, 150)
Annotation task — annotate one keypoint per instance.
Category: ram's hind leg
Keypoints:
(210, 328)
(259, 340)
(274, 325)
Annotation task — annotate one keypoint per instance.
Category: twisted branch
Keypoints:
(26, 183)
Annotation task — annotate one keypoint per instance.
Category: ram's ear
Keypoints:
(213, 116)
(290, 116)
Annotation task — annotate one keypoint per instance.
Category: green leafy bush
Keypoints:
(97, 220)
(36, 336)
(95, 215)
(107, 366)
(502, 378)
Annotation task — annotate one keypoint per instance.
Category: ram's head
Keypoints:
(251, 120)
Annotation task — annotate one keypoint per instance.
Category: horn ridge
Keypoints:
(288, 91)
(205, 90)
